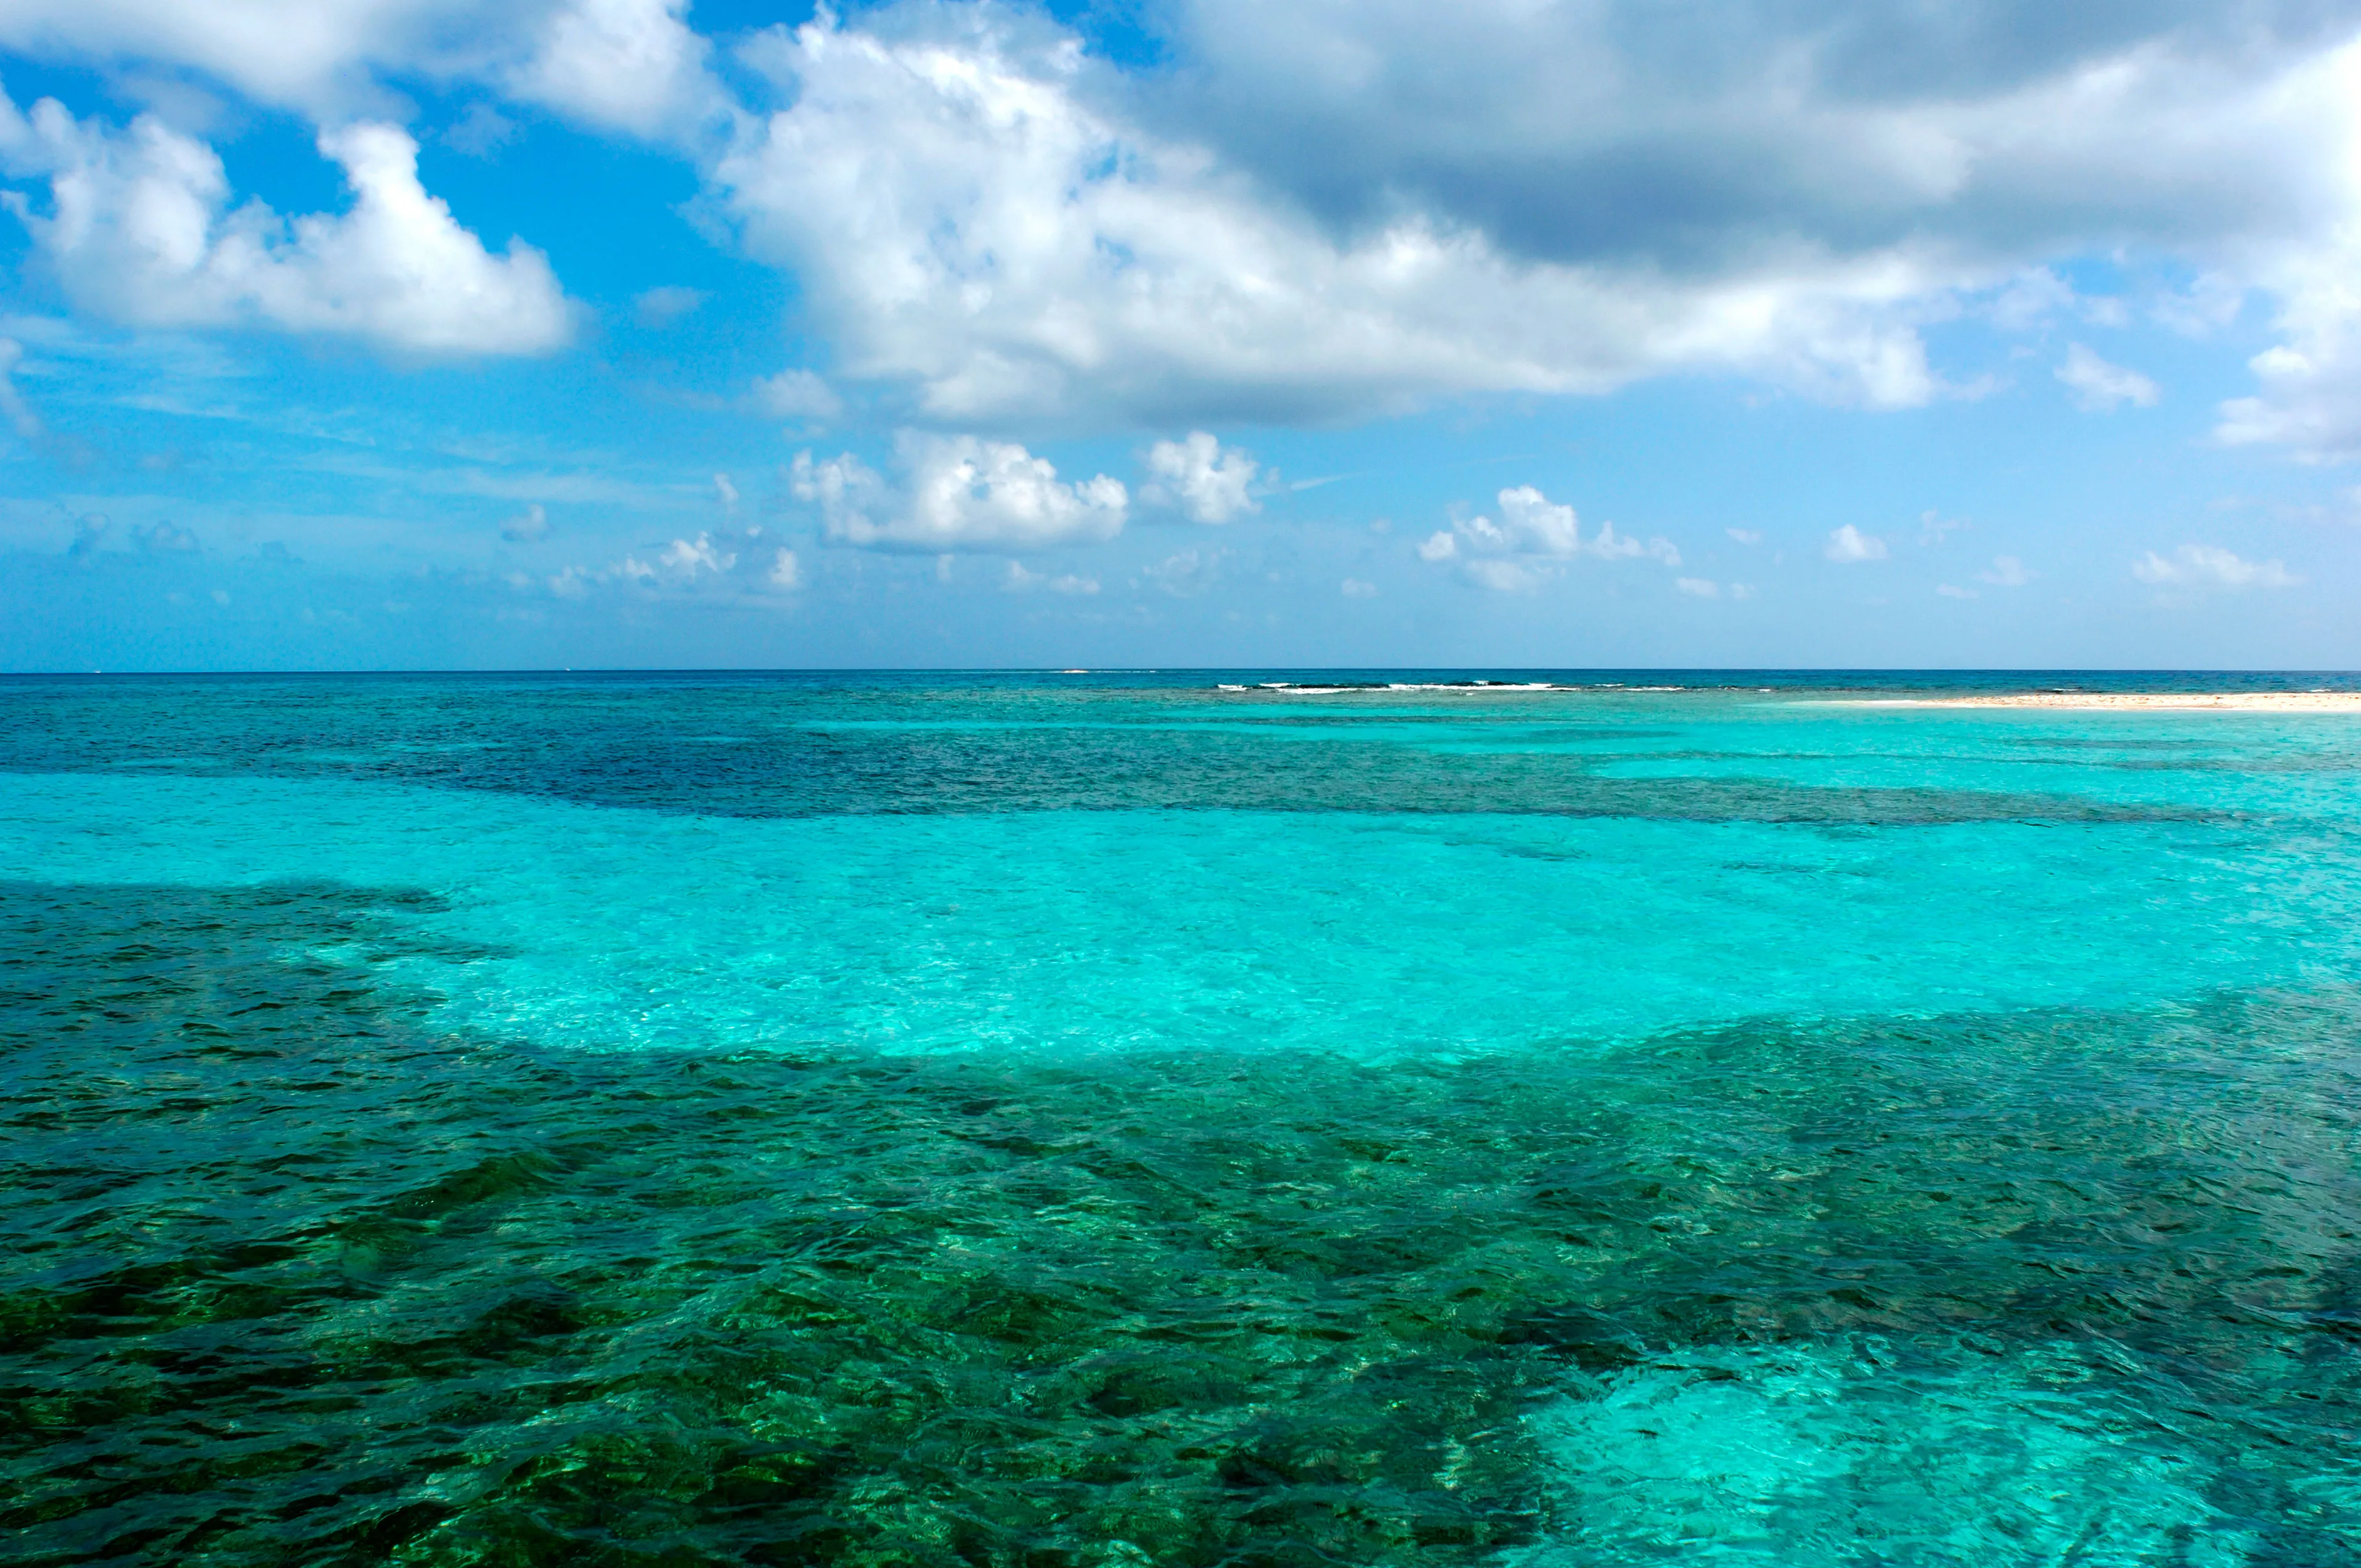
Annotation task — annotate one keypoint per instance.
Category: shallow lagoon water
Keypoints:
(1055, 1120)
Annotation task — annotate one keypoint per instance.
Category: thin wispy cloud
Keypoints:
(2210, 566)
(2101, 387)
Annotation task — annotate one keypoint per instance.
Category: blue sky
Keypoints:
(420, 333)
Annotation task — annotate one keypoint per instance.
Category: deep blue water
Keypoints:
(1163, 1118)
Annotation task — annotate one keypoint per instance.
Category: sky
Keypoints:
(1519, 334)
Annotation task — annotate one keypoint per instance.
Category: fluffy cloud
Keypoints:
(632, 65)
(138, 232)
(1952, 141)
(1534, 537)
(2100, 387)
(528, 527)
(1202, 479)
(2311, 385)
(1342, 207)
(958, 492)
(681, 561)
(1531, 525)
(973, 211)
(1332, 209)
(1849, 545)
(1615, 129)
(2206, 566)
(315, 56)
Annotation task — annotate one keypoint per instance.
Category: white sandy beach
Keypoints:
(2246, 702)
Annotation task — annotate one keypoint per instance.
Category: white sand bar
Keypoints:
(2247, 702)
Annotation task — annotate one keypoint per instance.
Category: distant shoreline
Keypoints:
(2251, 702)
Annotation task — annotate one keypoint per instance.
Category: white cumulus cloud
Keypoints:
(981, 209)
(2310, 397)
(632, 65)
(682, 559)
(2209, 567)
(1848, 543)
(1532, 539)
(317, 56)
(2007, 572)
(958, 492)
(1328, 209)
(970, 216)
(1964, 141)
(1201, 477)
(139, 231)
(1334, 208)
(2099, 387)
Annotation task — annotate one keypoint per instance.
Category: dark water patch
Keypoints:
(290, 1276)
(2126, 753)
(2259, 765)
(791, 754)
(2106, 742)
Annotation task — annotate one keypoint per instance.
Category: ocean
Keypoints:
(1263, 1118)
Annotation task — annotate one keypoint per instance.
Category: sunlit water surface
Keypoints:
(1095, 1120)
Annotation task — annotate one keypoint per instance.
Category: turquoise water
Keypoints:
(1116, 1119)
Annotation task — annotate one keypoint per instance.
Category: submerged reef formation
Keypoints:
(296, 1277)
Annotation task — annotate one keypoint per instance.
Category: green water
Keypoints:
(916, 1120)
